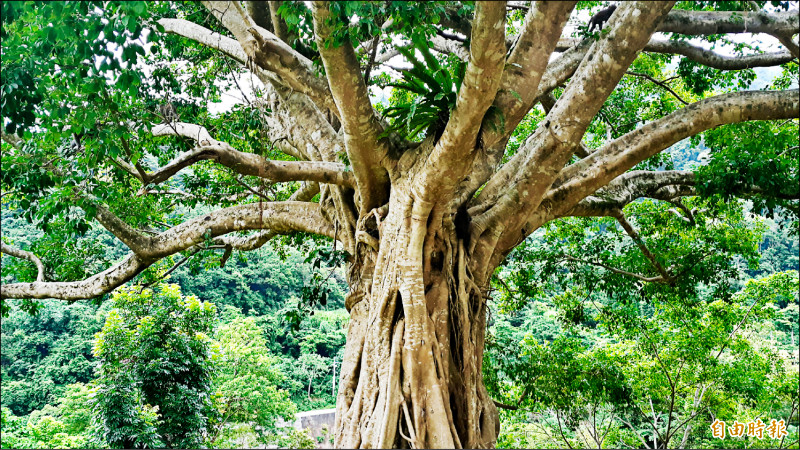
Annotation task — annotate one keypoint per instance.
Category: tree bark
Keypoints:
(411, 374)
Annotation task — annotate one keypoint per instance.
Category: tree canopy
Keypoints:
(432, 150)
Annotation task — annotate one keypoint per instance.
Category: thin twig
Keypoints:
(172, 269)
(658, 279)
(558, 419)
(504, 406)
(373, 53)
(659, 83)
(256, 193)
(620, 216)
(227, 62)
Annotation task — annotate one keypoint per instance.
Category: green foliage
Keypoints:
(701, 79)
(762, 154)
(318, 289)
(296, 439)
(42, 355)
(556, 262)
(636, 100)
(308, 356)
(66, 425)
(65, 257)
(434, 90)
(155, 372)
(598, 344)
(47, 432)
(246, 379)
(572, 342)
(258, 285)
(34, 82)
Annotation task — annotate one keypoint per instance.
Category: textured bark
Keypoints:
(411, 375)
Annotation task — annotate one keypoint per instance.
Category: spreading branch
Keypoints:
(449, 47)
(128, 235)
(241, 162)
(517, 191)
(527, 63)
(362, 129)
(598, 169)
(267, 51)
(715, 60)
(789, 43)
(455, 150)
(211, 39)
(665, 185)
(280, 217)
(28, 256)
(722, 22)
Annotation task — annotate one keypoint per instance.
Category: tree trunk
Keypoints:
(411, 374)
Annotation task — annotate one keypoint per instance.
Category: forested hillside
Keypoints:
(565, 370)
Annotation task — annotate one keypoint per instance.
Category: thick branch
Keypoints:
(361, 126)
(12, 139)
(559, 135)
(269, 52)
(522, 186)
(22, 254)
(279, 26)
(631, 27)
(790, 44)
(721, 22)
(257, 240)
(598, 169)
(295, 120)
(260, 12)
(281, 217)
(556, 74)
(664, 185)
(205, 36)
(455, 150)
(527, 63)
(137, 242)
(244, 163)
(449, 47)
(715, 60)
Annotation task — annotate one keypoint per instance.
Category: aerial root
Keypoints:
(413, 439)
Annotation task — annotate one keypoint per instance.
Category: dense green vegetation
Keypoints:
(72, 372)
(573, 357)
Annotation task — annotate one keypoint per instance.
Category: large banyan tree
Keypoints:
(503, 117)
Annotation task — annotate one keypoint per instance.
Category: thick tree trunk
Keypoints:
(411, 375)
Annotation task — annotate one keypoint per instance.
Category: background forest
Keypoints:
(211, 349)
(571, 361)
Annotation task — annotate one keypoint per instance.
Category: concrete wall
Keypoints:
(319, 424)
